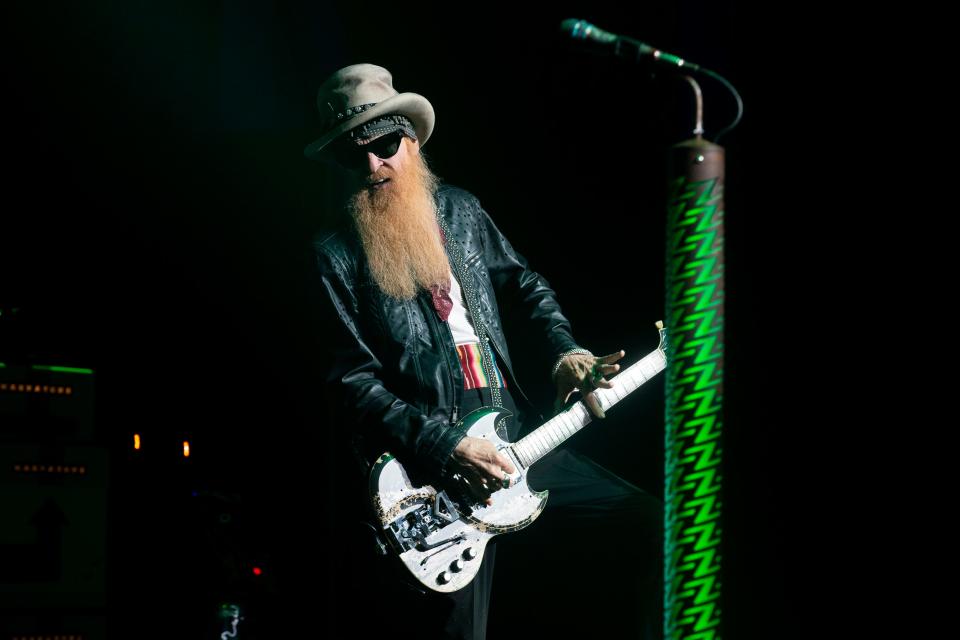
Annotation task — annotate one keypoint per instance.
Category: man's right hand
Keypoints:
(482, 466)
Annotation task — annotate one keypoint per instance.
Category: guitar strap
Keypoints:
(468, 285)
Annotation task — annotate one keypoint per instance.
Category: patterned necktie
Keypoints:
(441, 292)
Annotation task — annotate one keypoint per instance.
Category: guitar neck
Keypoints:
(555, 431)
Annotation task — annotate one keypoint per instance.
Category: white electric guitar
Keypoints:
(440, 535)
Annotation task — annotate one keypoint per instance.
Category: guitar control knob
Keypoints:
(456, 565)
(469, 553)
(443, 578)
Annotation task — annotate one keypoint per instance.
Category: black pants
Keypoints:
(591, 563)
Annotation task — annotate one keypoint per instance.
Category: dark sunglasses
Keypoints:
(354, 156)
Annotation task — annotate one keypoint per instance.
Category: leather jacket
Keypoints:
(393, 375)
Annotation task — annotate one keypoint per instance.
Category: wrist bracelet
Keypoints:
(556, 366)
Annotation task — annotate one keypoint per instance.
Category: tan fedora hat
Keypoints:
(358, 94)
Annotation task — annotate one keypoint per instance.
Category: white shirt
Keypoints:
(460, 323)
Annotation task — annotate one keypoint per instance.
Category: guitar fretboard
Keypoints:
(555, 431)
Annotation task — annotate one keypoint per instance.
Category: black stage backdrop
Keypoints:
(156, 221)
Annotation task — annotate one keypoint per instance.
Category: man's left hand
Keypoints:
(585, 373)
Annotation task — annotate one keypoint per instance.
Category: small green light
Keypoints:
(62, 369)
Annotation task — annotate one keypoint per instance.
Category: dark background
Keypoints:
(156, 225)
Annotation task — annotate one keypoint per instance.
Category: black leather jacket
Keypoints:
(393, 374)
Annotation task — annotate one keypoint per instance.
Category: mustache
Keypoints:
(380, 174)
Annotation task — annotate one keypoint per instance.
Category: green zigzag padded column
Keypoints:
(694, 389)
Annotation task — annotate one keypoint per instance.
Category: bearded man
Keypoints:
(413, 284)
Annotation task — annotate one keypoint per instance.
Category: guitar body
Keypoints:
(441, 532)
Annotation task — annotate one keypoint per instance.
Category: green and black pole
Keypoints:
(694, 389)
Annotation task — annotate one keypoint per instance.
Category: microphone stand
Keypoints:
(694, 372)
(694, 386)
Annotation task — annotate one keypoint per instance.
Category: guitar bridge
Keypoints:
(411, 530)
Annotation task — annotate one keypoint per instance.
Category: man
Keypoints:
(414, 281)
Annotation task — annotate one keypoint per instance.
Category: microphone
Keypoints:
(583, 30)
(631, 48)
